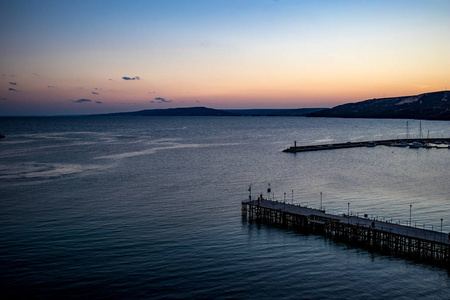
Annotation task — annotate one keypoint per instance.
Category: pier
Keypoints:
(425, 143)
(381, 236)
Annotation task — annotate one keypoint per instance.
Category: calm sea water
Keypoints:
(150, 207)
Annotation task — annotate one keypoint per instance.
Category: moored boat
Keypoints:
(399, 144)
(415, 145)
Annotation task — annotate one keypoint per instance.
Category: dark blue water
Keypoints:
(150, 207)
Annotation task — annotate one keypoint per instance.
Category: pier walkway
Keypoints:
(400, 240)
(428, 143)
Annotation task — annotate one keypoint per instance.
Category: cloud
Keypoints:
(12, 83)
(131, 78)
(160, 100)
(99, 102)
(94, 93)
(51, 86)
(151, 92)
(12, 90)
(151, 101)
(82, 100)
(197, 101)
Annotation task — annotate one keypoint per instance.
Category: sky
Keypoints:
(68, 57)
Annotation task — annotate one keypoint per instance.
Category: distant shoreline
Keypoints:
(428, 106)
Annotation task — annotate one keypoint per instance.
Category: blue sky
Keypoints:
(220, 54)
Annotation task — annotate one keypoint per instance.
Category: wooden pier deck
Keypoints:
(386, 237)
(431, 142)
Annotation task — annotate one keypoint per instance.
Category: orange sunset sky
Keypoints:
(83, 57)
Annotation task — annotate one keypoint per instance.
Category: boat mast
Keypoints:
(420, 129)
(407, 130)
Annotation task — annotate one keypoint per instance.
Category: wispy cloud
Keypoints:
(82, 100)
(12, 83)
(131, 78)
(161, 100)
(99, 102)
(12, 90)
(94, 93)
(51, 86)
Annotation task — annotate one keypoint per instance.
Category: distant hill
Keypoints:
(429, 106)
(183, 111)
(204, 111)
(274, 112)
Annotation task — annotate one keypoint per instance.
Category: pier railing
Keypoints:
(386, 237)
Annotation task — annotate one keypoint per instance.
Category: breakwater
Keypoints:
(414, 143)
(385, 237)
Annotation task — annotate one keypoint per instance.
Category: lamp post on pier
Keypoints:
(441, 224)
(320, 200)
(410, 209)
(348, 212)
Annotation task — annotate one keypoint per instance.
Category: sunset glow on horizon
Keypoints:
(86, 57)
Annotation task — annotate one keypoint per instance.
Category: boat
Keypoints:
(415, 145)
(2, 136)
(399, 145)
(372, 144)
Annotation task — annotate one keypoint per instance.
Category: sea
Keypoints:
(150, 207)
